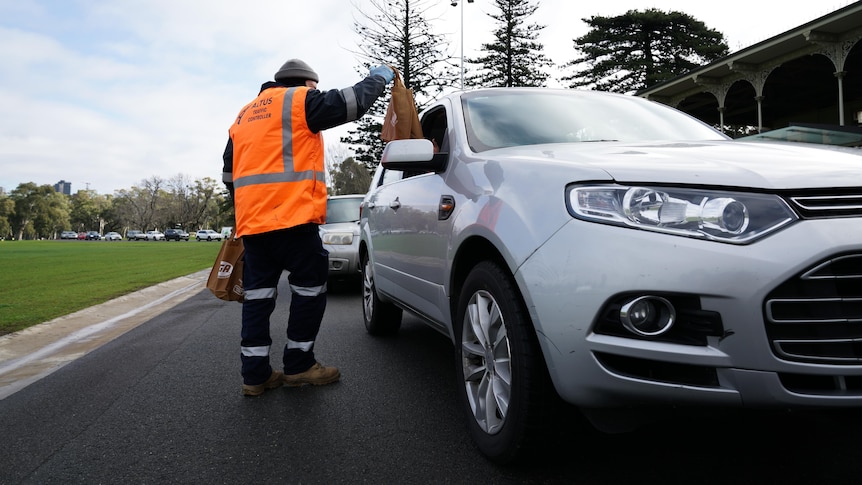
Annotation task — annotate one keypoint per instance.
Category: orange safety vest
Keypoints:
(278, 170)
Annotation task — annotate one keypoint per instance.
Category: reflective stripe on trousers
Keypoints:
(300, 252)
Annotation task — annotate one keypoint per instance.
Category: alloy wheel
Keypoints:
(486, 362)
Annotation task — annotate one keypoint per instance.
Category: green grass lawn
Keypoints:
(42, 280)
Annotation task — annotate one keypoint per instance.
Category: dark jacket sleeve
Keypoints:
(227, 170)
(327, 109)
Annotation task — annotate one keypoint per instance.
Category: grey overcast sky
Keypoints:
(107, 94)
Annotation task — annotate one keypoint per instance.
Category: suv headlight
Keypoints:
(337, 238)
(731, 217)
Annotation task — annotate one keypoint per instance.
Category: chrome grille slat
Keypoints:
(816, 316)
(829, 202)
(850, 260)
(837, 203)
(828, 346)
(810, 302)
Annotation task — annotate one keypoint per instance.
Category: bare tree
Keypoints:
(335, 154)
(140, 205)
(398, 33)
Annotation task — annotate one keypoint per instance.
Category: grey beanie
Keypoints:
(296, 69)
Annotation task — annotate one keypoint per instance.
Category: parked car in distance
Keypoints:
(93, 236)
(68, 235)
(208, 235)
(135, 235)
(154, 236)
(340, 234)
(176, 235)
(113, 236)
(618, 254)
(82, 235)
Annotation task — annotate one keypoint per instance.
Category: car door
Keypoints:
(410, 240)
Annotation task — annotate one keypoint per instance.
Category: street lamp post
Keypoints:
(455, 4)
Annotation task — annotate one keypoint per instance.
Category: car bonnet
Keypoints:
(722, 163)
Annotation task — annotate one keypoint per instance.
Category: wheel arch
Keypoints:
(471, 252)
(363, 251)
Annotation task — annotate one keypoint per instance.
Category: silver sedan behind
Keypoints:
(340, 235)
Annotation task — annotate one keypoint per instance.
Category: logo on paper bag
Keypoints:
(224, 270)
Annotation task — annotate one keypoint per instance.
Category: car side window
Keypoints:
(435, 128)
(390, 176)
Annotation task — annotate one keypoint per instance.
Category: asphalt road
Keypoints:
(161, 403)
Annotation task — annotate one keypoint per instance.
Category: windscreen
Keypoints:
(512, 118)
(342, 210)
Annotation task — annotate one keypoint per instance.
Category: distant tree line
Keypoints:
(32, 211)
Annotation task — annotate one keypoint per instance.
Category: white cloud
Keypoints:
(111, 93)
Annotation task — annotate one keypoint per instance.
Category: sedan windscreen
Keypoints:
(497, 120)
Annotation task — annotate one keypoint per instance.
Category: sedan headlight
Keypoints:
(337, 238)
(732, 217)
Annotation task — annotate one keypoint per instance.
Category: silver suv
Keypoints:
(617, 254)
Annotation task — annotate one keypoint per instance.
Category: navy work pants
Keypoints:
(299, 251)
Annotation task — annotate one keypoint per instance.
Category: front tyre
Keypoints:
(503, 384)
(381, 318)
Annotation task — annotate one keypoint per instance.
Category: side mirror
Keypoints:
(414, 150)
(412, 155)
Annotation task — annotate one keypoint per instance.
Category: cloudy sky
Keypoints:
(108, 93)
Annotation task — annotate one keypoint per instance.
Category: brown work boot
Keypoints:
(276, 379)
(317, 375)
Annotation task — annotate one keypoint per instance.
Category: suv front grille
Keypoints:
(817, 315)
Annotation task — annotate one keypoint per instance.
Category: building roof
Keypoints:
(833, 35)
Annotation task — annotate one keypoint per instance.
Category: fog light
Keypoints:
(648, 316)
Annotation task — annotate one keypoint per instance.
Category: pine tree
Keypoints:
(637, 50)
(516, 58)
(350, 178)
(398, 34)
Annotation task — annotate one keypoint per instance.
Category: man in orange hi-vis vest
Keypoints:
(274, 170)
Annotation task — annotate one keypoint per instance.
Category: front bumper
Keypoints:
(569, 282)
(343, 259)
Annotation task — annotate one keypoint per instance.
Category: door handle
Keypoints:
(395, 204)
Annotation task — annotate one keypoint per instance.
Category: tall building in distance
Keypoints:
(63, 187)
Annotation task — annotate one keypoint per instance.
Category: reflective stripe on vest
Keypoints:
(278, 164)
(289, 175)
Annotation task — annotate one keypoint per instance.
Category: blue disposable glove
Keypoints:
(383, 71)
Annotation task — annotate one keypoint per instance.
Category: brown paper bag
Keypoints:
(225, 279)
(402, 119)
